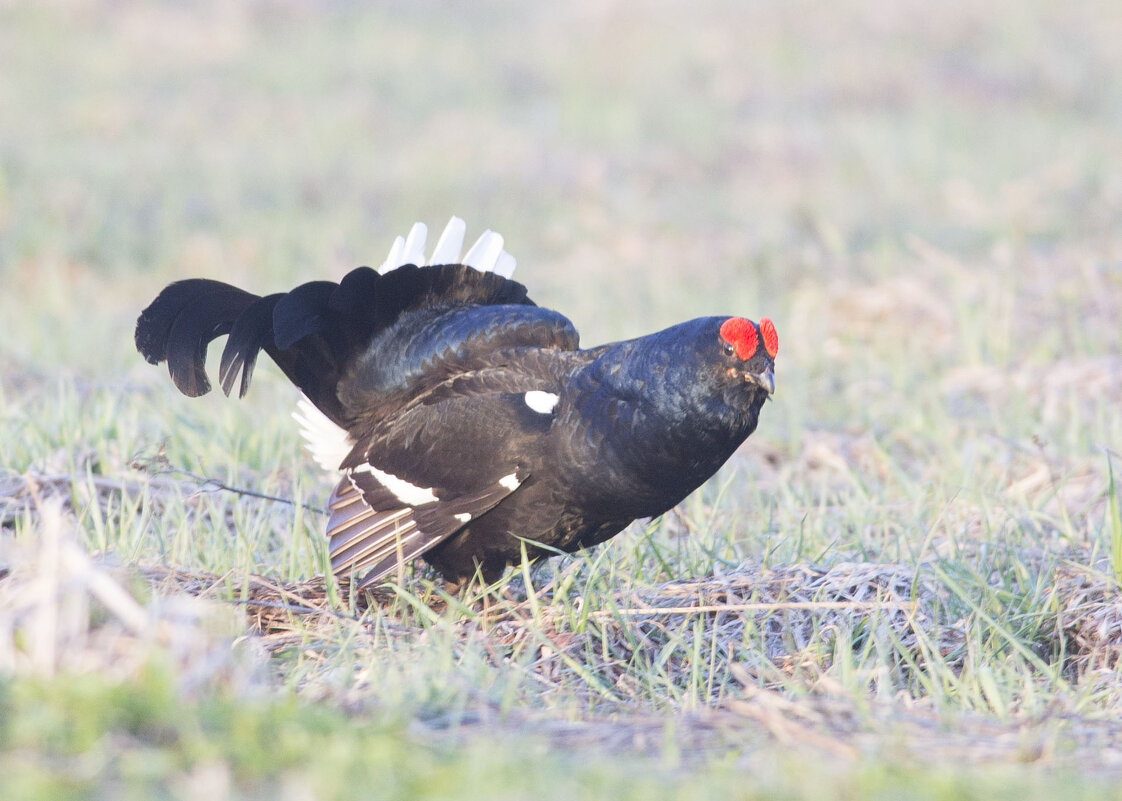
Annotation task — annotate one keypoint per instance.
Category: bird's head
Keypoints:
(711, 368)
(749, 351)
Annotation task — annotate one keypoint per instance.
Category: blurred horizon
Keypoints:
(645, 165)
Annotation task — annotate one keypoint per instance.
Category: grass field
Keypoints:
(905, 585)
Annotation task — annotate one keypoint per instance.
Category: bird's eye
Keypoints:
(740, 337)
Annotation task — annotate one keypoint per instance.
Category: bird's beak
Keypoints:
(765, 380)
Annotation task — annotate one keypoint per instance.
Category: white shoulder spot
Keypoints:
(511, 482)
(463, 517)
(329, 444)
(541, 402)
(402, 490)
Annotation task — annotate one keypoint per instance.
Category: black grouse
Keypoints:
(465, 420)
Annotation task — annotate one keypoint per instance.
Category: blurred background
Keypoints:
(926, 199)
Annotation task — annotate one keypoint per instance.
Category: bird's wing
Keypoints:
(458, 348)
(371, 532)
(419, 477)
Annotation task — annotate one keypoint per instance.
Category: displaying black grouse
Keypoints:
(465, 420)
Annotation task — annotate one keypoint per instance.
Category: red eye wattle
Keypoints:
(771, 337)
(741, 335)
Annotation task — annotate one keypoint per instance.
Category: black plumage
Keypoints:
(469, 422)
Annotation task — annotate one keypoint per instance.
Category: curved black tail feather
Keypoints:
(182, 321)
(313, 332)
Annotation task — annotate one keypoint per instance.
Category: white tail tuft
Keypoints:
(393, 261)
(485, 252)
(486, 255)
(414, 251)
(504, 266)
(450, 244)
(328, 443)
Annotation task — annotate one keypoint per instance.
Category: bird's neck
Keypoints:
(664, 428)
